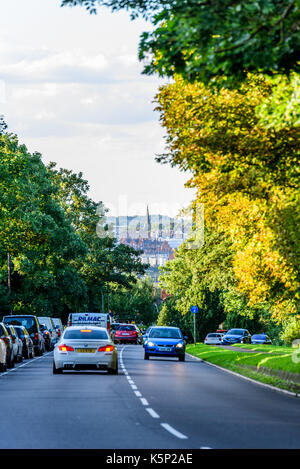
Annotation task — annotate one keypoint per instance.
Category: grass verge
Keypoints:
(280, 368)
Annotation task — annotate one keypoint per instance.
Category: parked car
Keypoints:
(235, 336)
(261, 339)
(47, 337)
(28, 348)
(165, 342)
(58, 326)
(48, 322)
(3, 364)
(30, 323)
(128, 333)
(113, 327)
(214, 338)
(17, 343)
(5, 337)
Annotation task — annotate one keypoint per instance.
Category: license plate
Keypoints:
(164, 349)
(85, 350)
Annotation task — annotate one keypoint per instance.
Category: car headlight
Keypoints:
(180, 345)
(150, 344)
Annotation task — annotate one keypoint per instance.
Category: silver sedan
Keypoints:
(85, 347)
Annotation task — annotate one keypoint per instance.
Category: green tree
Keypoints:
(205, 39)
(136, 303)
(247, 175)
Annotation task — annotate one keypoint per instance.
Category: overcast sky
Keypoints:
(71, 88)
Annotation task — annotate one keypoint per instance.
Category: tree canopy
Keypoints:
(48, 225)
(203, 40)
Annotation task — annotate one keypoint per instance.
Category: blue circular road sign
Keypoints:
(194, 309)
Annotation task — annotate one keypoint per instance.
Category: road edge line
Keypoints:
(273, 388)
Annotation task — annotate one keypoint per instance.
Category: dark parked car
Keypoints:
(113, 327)
(4, 335)
(47, 337)
(28, 348)
(237, 336)
(17, 343)
(30, 323)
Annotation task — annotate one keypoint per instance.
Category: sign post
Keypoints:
(194, 310)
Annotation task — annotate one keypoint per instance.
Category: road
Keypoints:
(160, 403)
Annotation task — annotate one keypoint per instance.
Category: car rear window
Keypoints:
(126, 328)
(85, 334)
(236, 332)
(213, 335)
(165, 333)
(19, 331)
(28, 323)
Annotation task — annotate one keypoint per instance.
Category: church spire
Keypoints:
(148, 223)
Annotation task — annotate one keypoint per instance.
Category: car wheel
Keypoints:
(146, 356)
(57, 371)
(113, 371)
(3, 367)
(181, 358)
(12, 361)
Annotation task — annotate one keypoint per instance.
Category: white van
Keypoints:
(95, 319)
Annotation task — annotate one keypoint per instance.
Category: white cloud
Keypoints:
(74, 92)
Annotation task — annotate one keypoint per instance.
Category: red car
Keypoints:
(127, 333)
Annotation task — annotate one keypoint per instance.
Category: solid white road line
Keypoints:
(24, 364)
(173, 431)
(152, 413)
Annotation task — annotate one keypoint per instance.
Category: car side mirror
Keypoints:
(185, 337)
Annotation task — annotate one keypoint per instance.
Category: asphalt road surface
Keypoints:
(156, 404)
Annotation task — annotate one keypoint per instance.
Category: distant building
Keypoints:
(156, 235)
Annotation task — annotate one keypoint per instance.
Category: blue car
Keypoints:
(236, 336)
(261, 339)
(165, 342)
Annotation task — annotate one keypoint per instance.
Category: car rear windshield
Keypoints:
(236, 331)
(86, 334)
(19, 331)
(165, 333)
(259, 336)
(28, 323)
(126, 328)
(213, 335)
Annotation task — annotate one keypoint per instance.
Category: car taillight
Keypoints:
(65, 348)
(36, 336)
(107, 348)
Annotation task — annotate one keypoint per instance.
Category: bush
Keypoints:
(291, 330)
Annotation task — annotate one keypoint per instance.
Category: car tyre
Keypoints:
(113, 371)
(146, 356)
(57, 371)
(181, 358)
